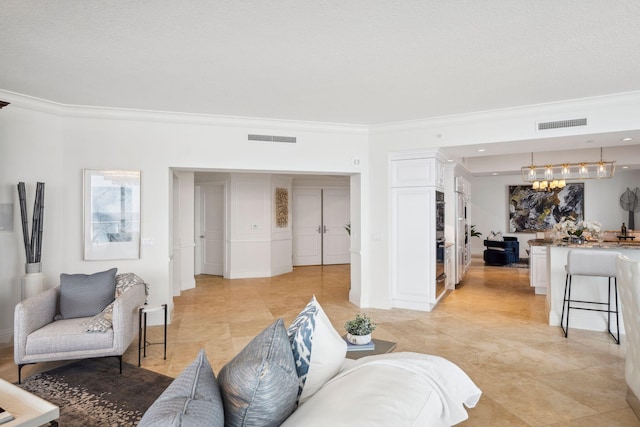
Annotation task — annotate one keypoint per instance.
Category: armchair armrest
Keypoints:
(125, 316)
(30, 315)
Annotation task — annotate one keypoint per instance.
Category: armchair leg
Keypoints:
(120, 360)
(20, 366)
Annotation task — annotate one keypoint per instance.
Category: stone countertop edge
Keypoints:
(586, 245)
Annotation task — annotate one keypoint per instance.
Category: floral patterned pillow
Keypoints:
(101, 322)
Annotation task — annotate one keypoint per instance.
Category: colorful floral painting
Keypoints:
(531, 211)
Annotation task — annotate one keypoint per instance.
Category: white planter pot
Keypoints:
(32, 283)
(359, 339)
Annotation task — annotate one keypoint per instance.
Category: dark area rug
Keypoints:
(91, 392)
(524, 263)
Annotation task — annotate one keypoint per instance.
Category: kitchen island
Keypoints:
(585, 288)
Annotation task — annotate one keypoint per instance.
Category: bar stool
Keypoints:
(591, 262)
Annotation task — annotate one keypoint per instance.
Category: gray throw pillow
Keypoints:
(85, 295)
(259, 386)
(192, 399)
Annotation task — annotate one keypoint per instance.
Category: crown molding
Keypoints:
(536, 112)
(104, 113)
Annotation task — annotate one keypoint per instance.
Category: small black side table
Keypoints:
(142, 333)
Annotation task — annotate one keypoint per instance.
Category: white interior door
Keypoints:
(307, 221)
(212, 228)
(319, 219)
(335, 215)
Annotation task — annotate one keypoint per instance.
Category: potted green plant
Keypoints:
(359, 329)
(474, 232)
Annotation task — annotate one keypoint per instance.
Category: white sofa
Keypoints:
(300, 377)
(628, 276)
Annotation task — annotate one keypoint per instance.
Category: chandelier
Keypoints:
(550, 177)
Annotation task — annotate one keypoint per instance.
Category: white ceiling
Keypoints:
(358, 62)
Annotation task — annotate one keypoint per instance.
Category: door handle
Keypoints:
(324, 228)
(202, 237)
(319, 229)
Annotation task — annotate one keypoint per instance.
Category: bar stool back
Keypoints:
(591, 262)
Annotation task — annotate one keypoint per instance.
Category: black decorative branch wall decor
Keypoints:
(33, 244)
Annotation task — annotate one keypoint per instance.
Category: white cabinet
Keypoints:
(538, 270)
(414, 179)
(449, 267)
(417, 173)
(413, 248)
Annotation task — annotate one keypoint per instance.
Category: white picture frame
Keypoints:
(111, 214)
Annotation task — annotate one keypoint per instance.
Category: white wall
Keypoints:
(489, 201)
(51, 143)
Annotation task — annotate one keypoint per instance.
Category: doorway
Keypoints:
(319, 219)
(210, 231)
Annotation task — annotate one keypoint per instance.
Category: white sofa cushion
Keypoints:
(318, 349)
(400, 389)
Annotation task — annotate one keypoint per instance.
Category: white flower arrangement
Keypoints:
(568, 225)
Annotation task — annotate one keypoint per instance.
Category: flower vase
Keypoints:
(32, 283)
(578, 240)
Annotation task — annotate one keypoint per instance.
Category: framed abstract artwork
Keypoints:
(111, 214)
(531, 211)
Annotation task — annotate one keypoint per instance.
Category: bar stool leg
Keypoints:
(567, 302)
(616, 337)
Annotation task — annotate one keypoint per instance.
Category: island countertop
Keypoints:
(587, 245)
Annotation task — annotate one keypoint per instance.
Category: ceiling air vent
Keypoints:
(562, 124)
(272, 138)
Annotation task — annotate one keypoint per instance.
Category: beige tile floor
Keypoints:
(493, 327)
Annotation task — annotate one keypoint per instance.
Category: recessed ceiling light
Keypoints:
(627, 139)
(495, 173)
(480, 150)
(625, 167)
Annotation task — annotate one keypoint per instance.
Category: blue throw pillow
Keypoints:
(318, 349)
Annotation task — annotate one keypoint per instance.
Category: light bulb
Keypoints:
(548, 173)
(566, 170)
(584, 172)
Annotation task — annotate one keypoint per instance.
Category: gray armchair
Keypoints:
(40, 338)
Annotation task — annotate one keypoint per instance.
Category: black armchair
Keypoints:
(502, 252)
